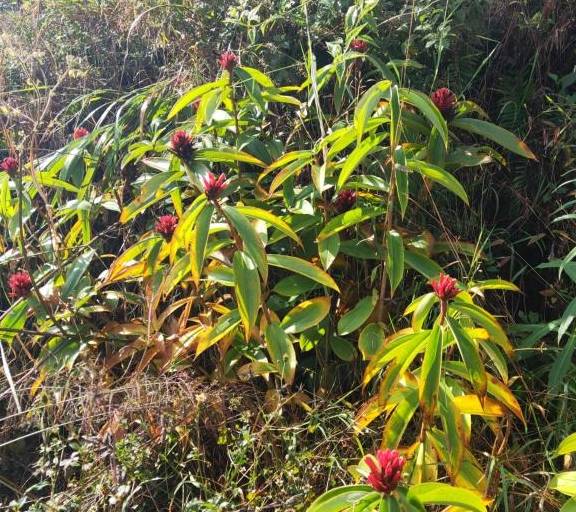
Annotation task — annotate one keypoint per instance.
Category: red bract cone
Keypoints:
(213, 186)
(182, 144)
(445, 287)
(385, 470)
(228, 61)
(20, 284)
(445, 101)
(358, 45)
(166, 225)
(9, 165)
(79, 133)
(345, 201)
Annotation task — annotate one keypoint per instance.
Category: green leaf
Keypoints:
(439, 175)
(568, 445)
(225, 324)
(402, 186)
(77, 270)
(189, 96)
(328, 250)
(294, 285)
(305, 315)
(368, 146)
(425, 105)
(227, 154)
(430, 373)
(281, 352)
(567, 318)
(398, 421)
(247, 287)
(367, 104)
(486, 320)
(432, 493)
(343, 498)
(454, 429)
(495, 133)
(250, 238)
(257, 213)
(569, 506)
(422, 264)
(13, 320)
(304, 268)
(343, 348)
(471, 356)
(371, 340)
(394, 258)
(395, 113)
(257, 76)
(562, 364)
(565, 483)
(348, 219)
(198, 242)
(355, 318)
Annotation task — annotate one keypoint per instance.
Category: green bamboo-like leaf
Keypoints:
(424, 104)
(294, 285)
(568, 445)
(75, 273)
(453, 427)
(301, 158)
(564, 482)
(362, 150)
(394, 258)
(494, 133)
(430, 372)
(13, 320)
(224, 326)
(422, 264)
(432, 493)
(440, 176)
(398, 421)
(395, 113)
(348, 219)
(357, 316)
(257, 75)
(471, 356)
(367, 104)
(247, 287)
(281, 352)
(198, 242)
(306, 315)
(189, 96)
(486, 320)
(344, 498)
(569, 506)
(343, 348)
(304, 268)
(328, 250)
(250, 238)
(421, 309)
(402, 188)
(257, 213)
(209, 102)
(227, 154)
(371, 340)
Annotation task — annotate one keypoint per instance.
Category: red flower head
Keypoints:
(20, 284)
(345, 201)
(182, 144)
(445, 101)
(358, 45)
(445, 287)
(9, 165)
(385, 470)
(228, 61)
(213, 186)
(166, 225)
(80, 133)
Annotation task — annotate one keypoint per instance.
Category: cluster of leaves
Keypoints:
(274, 199)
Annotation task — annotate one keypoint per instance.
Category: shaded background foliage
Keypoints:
(61, 59)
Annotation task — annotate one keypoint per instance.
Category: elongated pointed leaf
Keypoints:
(328, 250)
(357, 316)
(281, 352)
(344, 498)
(306, 315)
(198, 241)
(440, 176)
(367, 104)
(250, 238)
(424, 104)
(430, 372)
(432, 493)
(365, 148)
(495, 133)
(191, 95)
(394, 258)
(258, 213)
(349, 219)
(225, 325)
(247, 287)
(304, 268)
(398, 421)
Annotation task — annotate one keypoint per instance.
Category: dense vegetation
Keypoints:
(287, 256)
